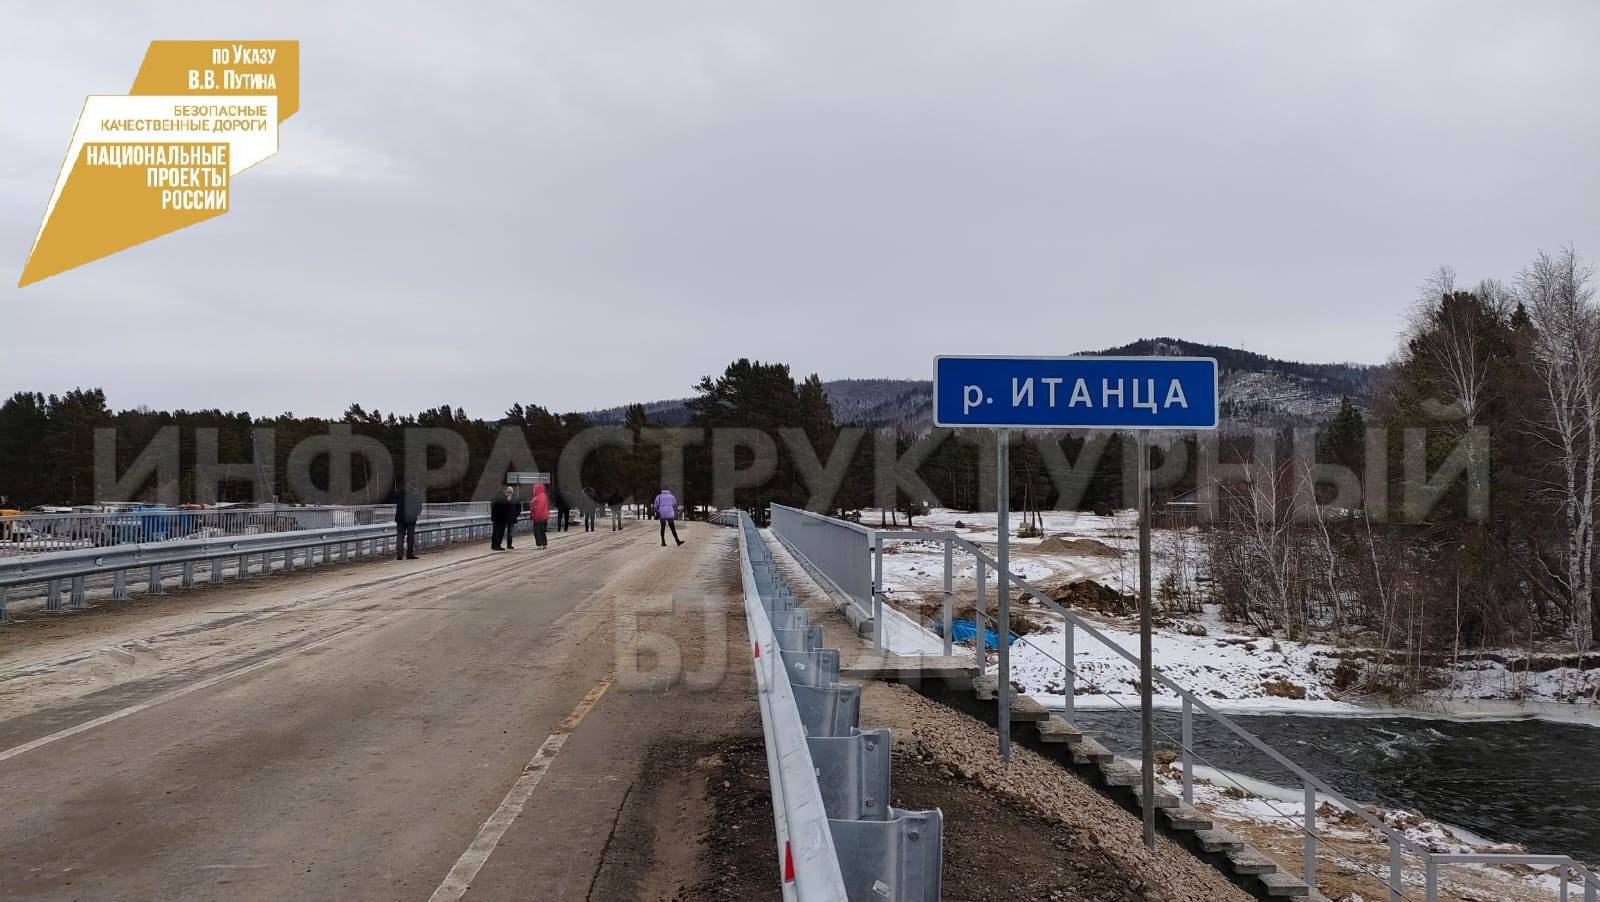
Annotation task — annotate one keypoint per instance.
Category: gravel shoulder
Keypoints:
(1100, 852)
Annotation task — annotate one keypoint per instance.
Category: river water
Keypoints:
(1524, 781)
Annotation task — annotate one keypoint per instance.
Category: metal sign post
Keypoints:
(1002, 587)
(1146, 706)
(1134, 394)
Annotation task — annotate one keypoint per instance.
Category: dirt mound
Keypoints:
(1080, 547)
(1090, 595)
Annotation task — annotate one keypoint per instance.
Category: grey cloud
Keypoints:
(580, 205)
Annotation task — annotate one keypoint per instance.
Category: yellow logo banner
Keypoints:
(164, 156)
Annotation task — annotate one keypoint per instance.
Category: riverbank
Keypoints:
(1231, 669)
(1492, 777)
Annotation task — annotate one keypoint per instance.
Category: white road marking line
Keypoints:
(165, 697)
(460, 878)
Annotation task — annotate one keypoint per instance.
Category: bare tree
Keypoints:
(1447, 334)
(1260, 559)
(1559, 299)
(1441, 334)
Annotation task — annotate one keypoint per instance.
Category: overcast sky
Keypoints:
(583, 204)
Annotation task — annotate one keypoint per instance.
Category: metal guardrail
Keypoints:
(838, 837)
(853, 536)
(32, 533)
(840, 551)
(153, 561)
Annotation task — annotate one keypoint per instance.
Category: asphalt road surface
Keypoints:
(472, 725)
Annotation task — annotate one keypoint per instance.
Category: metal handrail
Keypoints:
(1397, 839)
(1195, 700)
(1587, 878)
(46, 533)
(91, 561)
(77, 566)
(1187, 748)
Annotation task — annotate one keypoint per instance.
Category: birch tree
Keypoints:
(1556, 291)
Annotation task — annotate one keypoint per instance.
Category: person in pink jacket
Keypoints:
(666, 505)
(539, 515)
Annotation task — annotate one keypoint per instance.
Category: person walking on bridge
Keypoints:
(587, 502)
(563, 511)
(502, 517)
(407, 510)
(614, 501)
(539, 516)
(666, 508)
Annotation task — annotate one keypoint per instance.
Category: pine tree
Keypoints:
(1344, 437)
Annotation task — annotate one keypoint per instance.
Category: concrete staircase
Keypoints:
(1121, 780)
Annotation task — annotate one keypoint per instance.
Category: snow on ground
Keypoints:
(1081, 523)
(1492, 680)
(913, 566)
(919, 566)
(1228, 667)
(904, 636)
(1230, 672)
(1350, 851)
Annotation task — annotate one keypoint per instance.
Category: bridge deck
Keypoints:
(349, 732)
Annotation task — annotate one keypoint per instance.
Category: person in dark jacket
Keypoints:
(514, 511)
(587, 502)
(503, 512)
(563, 511)
(614, 501)
(407, 510)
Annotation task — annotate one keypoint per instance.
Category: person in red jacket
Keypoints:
(539, 515)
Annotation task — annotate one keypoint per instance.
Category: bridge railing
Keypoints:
(41, 533)
(837, 836)
(65, 575)
(1398, 842)
(839, 550)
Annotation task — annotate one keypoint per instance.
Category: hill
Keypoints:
(1257, 390)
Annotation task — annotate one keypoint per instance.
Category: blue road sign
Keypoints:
(1075, 392)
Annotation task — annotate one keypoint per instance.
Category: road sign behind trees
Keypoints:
(1075, 392)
